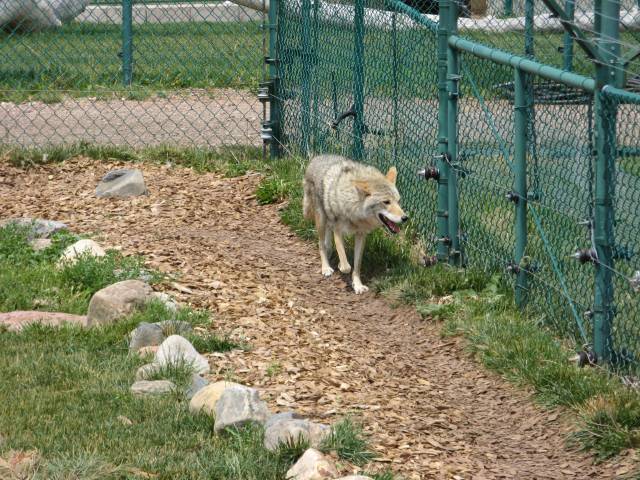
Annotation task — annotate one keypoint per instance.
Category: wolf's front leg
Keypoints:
(358, 251)
(321, 227)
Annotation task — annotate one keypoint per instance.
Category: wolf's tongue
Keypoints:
(391, 225)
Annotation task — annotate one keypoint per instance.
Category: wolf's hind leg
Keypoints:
(358, 251)
(343, 266)
(321, 227)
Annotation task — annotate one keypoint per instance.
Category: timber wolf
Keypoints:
(347, 197)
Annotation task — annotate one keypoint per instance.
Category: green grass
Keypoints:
(347, 440)
(230, 160)
(31, 280)
(82, 60)
(65, 391)
(480, 308)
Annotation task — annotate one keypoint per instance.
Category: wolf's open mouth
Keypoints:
(391, 226)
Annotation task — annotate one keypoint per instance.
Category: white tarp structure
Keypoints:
(39, 14)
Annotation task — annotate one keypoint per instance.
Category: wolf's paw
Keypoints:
(346, 268)
(327, 271)
(360, 289)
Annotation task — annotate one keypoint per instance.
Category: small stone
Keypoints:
(312, 465)
(205, 400)
(282, 416)
(238, 406)
(39, 244)
(197, 384)
(146, 335)
(166, 300)
(174, 327)
(148, 351)
(84, 247)
(40, 228)
(124, 420)
(117, 301)
(293, 431)
(121, 183)
(176, 350)
(16, 321)
(145, 388)
(145, 372)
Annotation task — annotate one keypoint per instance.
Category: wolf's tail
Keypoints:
(307, 200)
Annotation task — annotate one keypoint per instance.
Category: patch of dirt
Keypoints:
(316, 347)
(219, 117)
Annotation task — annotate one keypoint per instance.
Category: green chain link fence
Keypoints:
(131, 73)
(535, 164)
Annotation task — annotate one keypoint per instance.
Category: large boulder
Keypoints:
(312, 465)
(124, 182)
(117, 301)
(177, 350)
(205, 400)
(293, 431)
(238, 406)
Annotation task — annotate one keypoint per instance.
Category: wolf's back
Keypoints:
(315, 181)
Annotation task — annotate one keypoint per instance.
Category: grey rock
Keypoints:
(312, 465)
(84, 247)
(145, 372)
(174, 327)
(166, 300)
(117, 301)
(39, 244)
(294, 431)
(123, 182)
(40, 228)
(177, 350)
(146, 335)
(238, 406)
(197, 384)
(145, 388)
(282, 416)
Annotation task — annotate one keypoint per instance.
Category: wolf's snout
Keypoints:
(404, 218)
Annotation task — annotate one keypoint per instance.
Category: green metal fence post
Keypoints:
(521, 120)
(607, 18)
(275, 106)
(358, 80)
(127, 42)
(453, 80)
(442, 222)
(306, 74)
(508, 8)
(567, 50)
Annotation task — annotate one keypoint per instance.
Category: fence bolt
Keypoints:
(444, 240)
(430, 173)
(511, 196)
(586, 255)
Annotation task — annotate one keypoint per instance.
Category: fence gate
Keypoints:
(136, 73)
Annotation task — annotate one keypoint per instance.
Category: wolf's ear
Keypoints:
(362, 186)
(392, 174)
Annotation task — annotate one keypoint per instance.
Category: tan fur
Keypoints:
(346, 197)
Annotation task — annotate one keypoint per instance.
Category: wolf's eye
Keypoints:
(387, 202)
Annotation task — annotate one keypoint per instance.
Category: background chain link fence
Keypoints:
(194, 73)
(361, 79)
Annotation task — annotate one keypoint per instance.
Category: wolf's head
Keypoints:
(382, 200)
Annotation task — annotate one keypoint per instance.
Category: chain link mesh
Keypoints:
(318, 60)
(195, 72)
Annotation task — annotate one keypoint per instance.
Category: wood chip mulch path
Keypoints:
(432, 412)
